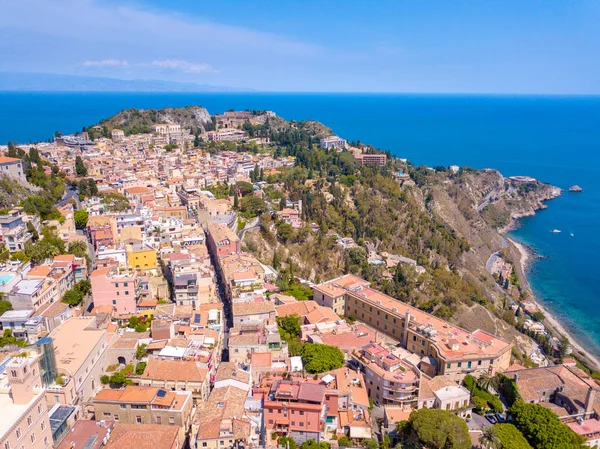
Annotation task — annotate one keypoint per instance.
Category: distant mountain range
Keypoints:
(48, 82)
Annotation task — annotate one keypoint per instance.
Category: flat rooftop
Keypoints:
(74, 341)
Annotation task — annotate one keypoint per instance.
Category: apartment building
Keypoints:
(222, 240)
(12, 167)
(80, 348)
(14, 231)
(25, 421)
(141, 256)
(180, 375)
(389, 379)
(145, 405)
(120, 291)
(377, 160)
(252, 312)
(445, 349)
(221, 421)
(296, 409)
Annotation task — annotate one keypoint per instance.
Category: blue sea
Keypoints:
(555, 139)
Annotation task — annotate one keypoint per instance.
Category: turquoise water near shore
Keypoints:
(553, 138)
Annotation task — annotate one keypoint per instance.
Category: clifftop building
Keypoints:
(445, 349)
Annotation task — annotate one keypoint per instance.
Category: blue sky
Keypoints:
(456, 46)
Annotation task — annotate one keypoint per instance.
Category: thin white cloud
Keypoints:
(106, 63)
(184, 66)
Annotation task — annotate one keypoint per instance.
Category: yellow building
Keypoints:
(141, 256)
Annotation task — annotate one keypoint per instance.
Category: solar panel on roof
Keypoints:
(161, 393)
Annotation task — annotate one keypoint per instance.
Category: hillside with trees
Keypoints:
(137, 121)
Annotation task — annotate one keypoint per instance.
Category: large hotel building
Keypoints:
(445, 348)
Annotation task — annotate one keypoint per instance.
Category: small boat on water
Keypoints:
(572, 235)
(556, 231)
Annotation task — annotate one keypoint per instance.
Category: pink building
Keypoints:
(117, 290)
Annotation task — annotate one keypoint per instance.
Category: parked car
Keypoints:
(491, 418)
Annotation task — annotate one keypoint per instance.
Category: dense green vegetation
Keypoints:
(510, 437)
(542, 428)
(139, 121)
(481, 397)
(435, 429)
(318, 358)
(52, 186)
(75, 296)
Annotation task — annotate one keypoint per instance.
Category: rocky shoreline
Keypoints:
(526, 259)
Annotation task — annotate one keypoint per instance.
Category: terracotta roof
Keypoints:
(261, 360)
(250, 308)
(8, 160)
(147, 436)
(180, 370)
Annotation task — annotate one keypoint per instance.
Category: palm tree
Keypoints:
(489, 438)
(485, 382)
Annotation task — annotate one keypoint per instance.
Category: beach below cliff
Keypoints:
(536, 304)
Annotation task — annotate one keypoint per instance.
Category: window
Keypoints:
(126, 292)
(270, 421)
(45, 441)
(479, 362)
(56, 398)
(18, 433)
(7, 445)
(159, 420)
(171, 420)
(301, 413)
(204, 444)
(448, 366)
(469, 365)
(125, 284)
(116, 417)
(29, 420)
(301, 424)
(43, 426)
(33, 437)
(138, 419)
(414, 338)
(459, 364)
(116, 284)
(122, 406)
(114, 302)
(107, 414)
(40, 408)
(13, 372)
(293, 423)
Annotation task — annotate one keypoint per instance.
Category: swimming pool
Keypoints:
(5, 278)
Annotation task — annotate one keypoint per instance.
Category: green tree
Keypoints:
(140, 368)
(286, 442)
(251, 206)
(289, 326)
(118, 379)
(80, 168)
(486, 381)
(105, 379)
(115, 202)
(319, 358)
(439, 429)
(275, 262)
(141, 352)
(542, 428)
(81, 218)
(489, 438)
(5, 306)
(345, 442)
(510, 437)
(285, 231)
(73, 297)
